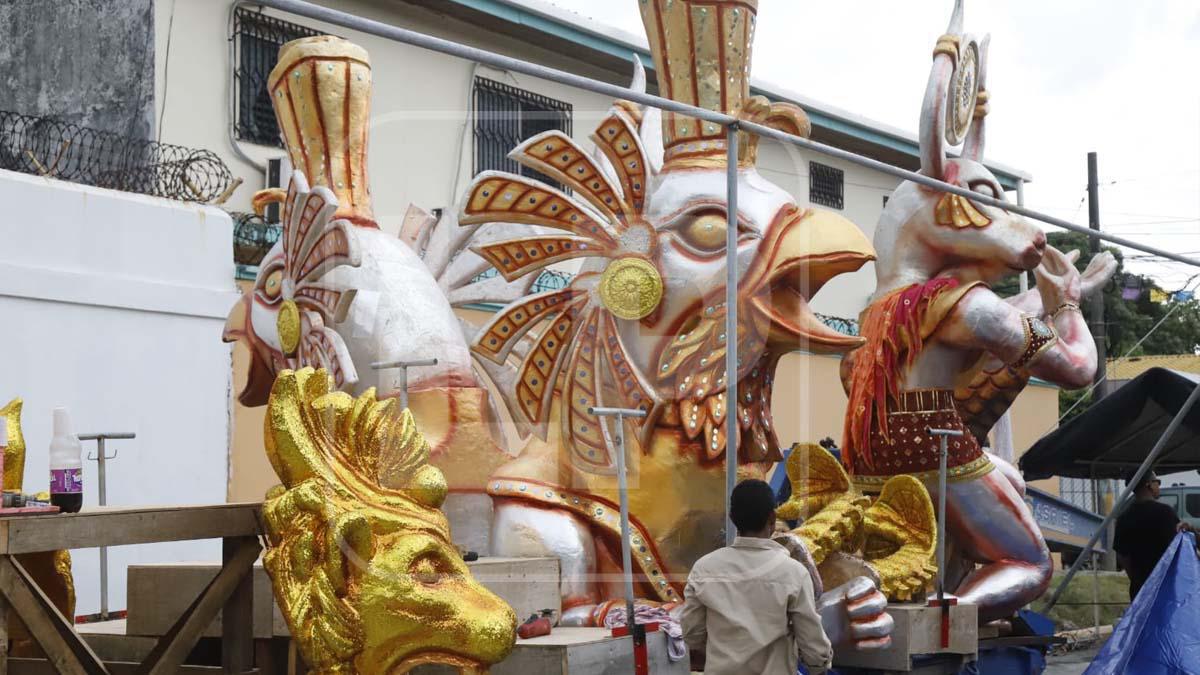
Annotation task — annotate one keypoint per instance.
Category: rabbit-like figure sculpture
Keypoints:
(935, 325)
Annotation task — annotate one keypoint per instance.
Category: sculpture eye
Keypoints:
(703, 232)
(272, 286)
(985, 188)
(430, 570)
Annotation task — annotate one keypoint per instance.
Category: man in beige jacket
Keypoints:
(750, 606)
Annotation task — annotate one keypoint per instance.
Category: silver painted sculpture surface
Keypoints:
(944, 351)
(643, 323)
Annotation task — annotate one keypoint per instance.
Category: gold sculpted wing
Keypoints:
(896, 535)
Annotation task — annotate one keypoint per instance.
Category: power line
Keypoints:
(1107, 212)
(1176, 221)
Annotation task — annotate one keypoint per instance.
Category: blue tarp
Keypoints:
(1160, 632)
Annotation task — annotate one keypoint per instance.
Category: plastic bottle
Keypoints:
(66, 465)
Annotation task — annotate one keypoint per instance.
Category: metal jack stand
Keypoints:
(403, 366)
(641, 661)
(100, 458)
(941, 601)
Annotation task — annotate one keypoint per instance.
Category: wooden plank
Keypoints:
(63, 647)
(917, 631)
(1024, 641)
(173, 648)
(158, 593)
(3, 634)
(237, 616)
(119, 526)
(44, 667)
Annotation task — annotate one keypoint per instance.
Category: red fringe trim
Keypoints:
(892, 327)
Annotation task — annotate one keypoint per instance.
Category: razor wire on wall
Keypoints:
(45, 146)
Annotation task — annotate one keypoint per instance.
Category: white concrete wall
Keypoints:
(421, 141)
(112, 306)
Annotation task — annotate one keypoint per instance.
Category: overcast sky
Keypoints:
(1066, 77)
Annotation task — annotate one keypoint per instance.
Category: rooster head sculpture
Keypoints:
(287, 320)
(642, 324)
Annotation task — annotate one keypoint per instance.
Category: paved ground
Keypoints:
(1073, 663)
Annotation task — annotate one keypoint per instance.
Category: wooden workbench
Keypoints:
(230, 592)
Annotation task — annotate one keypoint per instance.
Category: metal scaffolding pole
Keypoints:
(1120, 503)
(357, 23)
(403, 366)
(731, 326)
(101, 457)
(636, 630)
(942, 603)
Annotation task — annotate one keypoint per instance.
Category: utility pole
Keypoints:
(1023, 277)
(1100, 335)
(1096, 304)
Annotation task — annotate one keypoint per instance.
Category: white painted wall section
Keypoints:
(112, 306)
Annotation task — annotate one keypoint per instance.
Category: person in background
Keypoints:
(750, 606)
(1144, 531)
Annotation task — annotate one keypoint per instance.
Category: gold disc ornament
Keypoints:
(964, 89)
(288, 324)
(631, 288)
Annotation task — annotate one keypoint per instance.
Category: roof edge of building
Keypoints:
(544, 17)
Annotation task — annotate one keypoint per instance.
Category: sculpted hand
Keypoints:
(1057, 279)
(855, 614)
(1098, 272)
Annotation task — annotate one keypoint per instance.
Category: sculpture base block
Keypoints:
(158, 594)
(918, 632)
(579, 651)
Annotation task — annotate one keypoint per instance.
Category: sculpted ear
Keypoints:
(933, 109)
(933, 118)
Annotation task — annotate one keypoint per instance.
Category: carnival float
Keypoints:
(361, 557)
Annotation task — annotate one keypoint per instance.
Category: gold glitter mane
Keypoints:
(367, 576)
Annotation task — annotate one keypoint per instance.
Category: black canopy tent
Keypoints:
(1113, 437)
(1150, 421)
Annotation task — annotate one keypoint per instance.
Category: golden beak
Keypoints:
(235, 324)
(804, 250)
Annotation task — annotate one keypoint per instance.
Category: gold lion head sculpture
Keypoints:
(365, 573)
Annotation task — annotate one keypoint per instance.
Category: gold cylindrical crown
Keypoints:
(702, 53)
(321, 90)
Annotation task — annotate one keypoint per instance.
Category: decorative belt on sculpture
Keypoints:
(908, 449)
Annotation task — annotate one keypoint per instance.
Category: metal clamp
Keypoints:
(403, 366)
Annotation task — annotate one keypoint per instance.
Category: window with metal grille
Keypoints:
(257, 39)
(826, 185)
(504, 117)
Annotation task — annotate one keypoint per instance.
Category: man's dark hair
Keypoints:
(751, 505)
